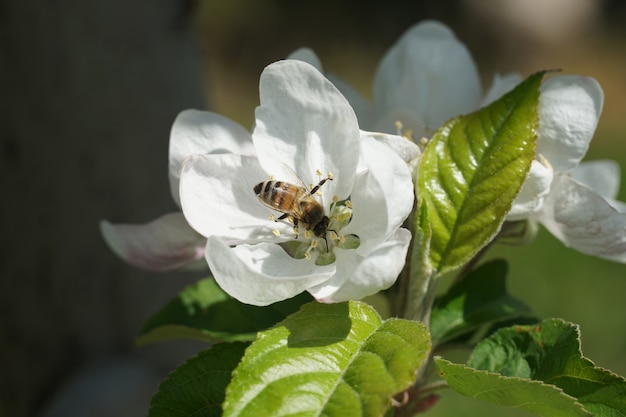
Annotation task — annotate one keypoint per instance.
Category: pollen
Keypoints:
(276, 232)
(348, 204)
(307, 234)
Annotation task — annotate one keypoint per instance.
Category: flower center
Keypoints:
(307, 243)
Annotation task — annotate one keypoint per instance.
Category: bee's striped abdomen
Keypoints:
(278, 194)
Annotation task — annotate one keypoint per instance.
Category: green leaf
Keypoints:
(479, 299)
(204, 311)
(538, 368)
(197, 388)
(472, 170)
(328, 359)
(533, 396)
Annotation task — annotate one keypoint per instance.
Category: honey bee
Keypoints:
(296, 202)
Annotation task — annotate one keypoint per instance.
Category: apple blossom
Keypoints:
(427, 77)
(168, 242)
(303, 126)
(573, 200)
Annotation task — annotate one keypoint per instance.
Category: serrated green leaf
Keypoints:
(197, 388)
(203, 311)
(472, 170)
(533, 396)
(328, 359)
(551, 352)
(479, 299)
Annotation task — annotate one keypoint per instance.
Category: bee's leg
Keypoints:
(295, 227)
(283, 217)
(317, 187)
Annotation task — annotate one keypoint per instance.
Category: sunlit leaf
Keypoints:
(472, 170)
(330, 360)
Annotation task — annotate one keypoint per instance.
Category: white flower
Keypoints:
(427, 77)
(303, 125)
(574, 201)
(168, 242)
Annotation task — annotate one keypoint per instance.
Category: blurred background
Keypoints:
(89, 93)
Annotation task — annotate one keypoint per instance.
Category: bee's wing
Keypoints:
(284, 172)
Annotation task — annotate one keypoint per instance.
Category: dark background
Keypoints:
(89, 91)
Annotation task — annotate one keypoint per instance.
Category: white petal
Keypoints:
(305, 123)
(500, 86)
(202, 132)
(601, 176)
(262, 274)
(405, 148)
(429, 72)
(362, 107)
(530, 198)
(164, 244)
(306, 55)
(217, 195)
(358, 276)
(382, 197)
(569, 109)
(584, 220)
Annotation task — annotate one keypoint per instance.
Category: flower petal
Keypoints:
(202, 132)
(359, 276)
(569, 109)
(382, 197)
(262, 274)
(164, 244)
(217, 195)
(584, 220)
(429, 72)
(405, 148)
(306, 124)
(306, 55)
(530, 198)
(601, 176)
(500, 86)
(362, 107)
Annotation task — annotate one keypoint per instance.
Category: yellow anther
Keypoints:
(276, 232)
(399, 126)
(348, 204)
(330, 175)
(342, 239)
(307, 234)
(313, 244)
(272, 217)
(307, 255)
(335, 198)
(318, 172)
